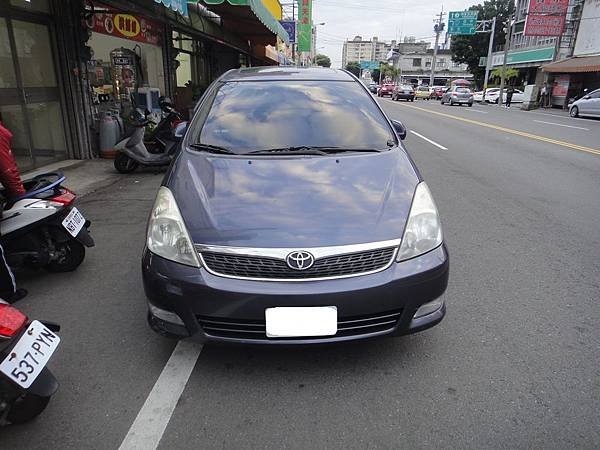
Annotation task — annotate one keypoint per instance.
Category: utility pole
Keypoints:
(488, 64)
(506, 46)
(438, 28)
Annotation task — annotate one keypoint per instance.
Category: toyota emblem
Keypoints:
(300, 260)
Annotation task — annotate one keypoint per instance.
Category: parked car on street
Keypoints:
(588, 105)
(386, 89)
(373, 87)
(404, 92)
(492, 96)
(458, 95)
(319, 230)
(423, 92)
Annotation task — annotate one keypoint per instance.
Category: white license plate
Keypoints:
(301, 321)
(74, 222)
(31, 354)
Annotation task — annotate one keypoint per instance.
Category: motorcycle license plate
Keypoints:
(31, 354)
(74, 222)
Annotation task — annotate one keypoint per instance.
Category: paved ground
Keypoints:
(513, 365)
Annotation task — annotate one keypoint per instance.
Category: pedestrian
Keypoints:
(10, 179)
(544, 95)
(509, 94)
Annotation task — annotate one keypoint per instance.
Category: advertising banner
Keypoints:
(126, 26)
(304, 25)
(561, 86)
(290, 27)
(546, 17)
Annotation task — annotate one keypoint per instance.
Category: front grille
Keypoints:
(256, 329)
(242, 266)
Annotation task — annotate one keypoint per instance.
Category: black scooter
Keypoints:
(26, 384)
(153, 150)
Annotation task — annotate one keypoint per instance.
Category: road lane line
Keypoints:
(429, 140)
(557, 116)
(561, 125)
(510, 130)
(152, 420)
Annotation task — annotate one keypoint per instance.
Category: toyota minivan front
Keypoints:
(293, 215)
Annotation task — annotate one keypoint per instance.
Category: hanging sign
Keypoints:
(546, 17)
(126, 26)
(304, 25)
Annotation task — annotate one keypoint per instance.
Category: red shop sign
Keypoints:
(546, 17)
(126, 26)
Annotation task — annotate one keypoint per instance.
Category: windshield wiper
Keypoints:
(309, 150)
(213, 149)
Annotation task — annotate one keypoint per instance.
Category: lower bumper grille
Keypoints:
(256, 329)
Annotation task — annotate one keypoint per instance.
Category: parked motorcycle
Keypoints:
(153, 149)
(42, 228)
(26, 384)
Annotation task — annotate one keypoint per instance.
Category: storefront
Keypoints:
(31, 89)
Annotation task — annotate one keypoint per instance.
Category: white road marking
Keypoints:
(152, 420)
(557, 116)
(429, 140)
(561, 125)
(476, 110)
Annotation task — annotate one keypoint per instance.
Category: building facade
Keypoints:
(359, 50)
(67, 67)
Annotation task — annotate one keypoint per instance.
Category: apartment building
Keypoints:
(358, 50)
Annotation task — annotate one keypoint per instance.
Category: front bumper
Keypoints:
(185, 300)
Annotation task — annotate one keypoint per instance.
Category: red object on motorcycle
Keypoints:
(9, 172)
(66, 197)
(11, 320)
(175, 123)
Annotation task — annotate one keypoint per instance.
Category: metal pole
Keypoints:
(506, 46)
(488, 63)
(435, 48)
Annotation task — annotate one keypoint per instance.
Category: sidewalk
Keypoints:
(83, 176)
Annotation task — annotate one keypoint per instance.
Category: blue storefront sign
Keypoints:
(369, 65)
(290, 27)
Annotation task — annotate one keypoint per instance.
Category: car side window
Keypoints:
(595, 94)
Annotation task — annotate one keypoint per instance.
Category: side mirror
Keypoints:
(180, 130)
(400, 129)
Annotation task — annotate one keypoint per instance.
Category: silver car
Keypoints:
(458, 95)
(588, 105)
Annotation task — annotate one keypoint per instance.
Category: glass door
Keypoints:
(30, 101)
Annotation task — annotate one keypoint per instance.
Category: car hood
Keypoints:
(297, 201)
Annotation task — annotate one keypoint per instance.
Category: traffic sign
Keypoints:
(462, 22)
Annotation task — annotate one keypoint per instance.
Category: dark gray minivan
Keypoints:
(293, 215)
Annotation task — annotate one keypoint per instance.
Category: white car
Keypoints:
(588, 105)
(478, 96)
(492, 95)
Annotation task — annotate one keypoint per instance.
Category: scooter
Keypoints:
(42, 228)
(26, 384)
(156, 149)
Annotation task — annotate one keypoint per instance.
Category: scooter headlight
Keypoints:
(167, 235)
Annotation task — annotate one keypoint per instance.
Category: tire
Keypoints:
(124, 164)
(27, 408)
(470, 105)
(574, 111)
(73, 255)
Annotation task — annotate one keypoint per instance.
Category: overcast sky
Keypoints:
(386, 19)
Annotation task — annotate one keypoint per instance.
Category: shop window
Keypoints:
(7, 70)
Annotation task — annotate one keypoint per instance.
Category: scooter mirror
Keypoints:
(180, 130)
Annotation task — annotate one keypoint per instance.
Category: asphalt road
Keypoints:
(513, 365)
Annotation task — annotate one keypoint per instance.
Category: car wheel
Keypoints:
(574, 111)
(470, 105)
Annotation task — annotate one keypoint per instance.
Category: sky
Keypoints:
(386, 19)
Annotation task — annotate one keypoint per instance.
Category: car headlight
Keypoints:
(167, 235)
(423, 230)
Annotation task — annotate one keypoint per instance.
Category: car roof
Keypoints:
(274, 73)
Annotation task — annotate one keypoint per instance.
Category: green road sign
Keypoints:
(462, 22)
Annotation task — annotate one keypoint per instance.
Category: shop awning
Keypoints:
(577, 64)
(176, 5)
(249, 18)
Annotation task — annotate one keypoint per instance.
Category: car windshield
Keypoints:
(254, 116)
(463, 90)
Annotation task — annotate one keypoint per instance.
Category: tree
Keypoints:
(510, 73)
(322, 60)
(353, 67)
(467, 49)
(375, 75)
(388, 71)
